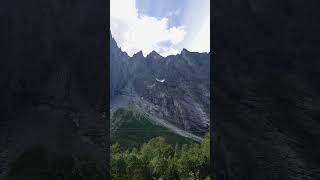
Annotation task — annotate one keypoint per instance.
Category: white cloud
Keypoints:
(134, 32)
(201, 40)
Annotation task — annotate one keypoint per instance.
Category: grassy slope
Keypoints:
(134, 129)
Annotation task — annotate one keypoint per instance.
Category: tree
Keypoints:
(157, 159)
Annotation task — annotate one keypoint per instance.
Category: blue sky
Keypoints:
(162, 9)
(166, 26)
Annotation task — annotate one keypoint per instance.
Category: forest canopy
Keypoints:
(157, 159)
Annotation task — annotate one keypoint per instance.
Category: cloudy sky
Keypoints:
(165, 26)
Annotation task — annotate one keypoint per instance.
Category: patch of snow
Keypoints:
(162, 80)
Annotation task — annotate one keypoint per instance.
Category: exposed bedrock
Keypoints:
(53, 75)
(267, 93)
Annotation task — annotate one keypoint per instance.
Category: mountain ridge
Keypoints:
(173, 88)
(139, 53)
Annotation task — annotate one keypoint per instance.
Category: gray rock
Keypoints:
(53, 79)
(176, 86)
(266, 84)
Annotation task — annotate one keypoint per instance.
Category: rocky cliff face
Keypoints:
(174, 88)
(53, 80)
(267, 94)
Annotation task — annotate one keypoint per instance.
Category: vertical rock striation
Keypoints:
(53, 79)
(267, 94)
(174, 88)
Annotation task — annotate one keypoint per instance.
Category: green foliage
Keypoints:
(39, 163)
(160, 160)
(143, 150)
(133, 129)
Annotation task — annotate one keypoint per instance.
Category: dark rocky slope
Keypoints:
(53, 79)
(267, 92)
(174, 89)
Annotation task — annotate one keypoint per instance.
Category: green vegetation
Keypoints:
(133, 129)
(38, 163)
(142, 150)
(159, 160)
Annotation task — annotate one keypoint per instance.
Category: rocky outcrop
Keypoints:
(53, 78)
(174, 88)
(266, 91)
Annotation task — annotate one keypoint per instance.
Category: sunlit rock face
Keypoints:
(174, 88)
(53, 80)
(267, 93)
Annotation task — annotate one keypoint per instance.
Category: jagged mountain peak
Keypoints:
(154, 55)
(184, 50)
(154, 88)
(115, 49)
(138, 55)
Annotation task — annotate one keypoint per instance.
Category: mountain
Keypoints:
(131, 129)
(53, 89)
(266, 105)
(173, 90)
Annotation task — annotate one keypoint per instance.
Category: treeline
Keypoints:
(132, 129)
(159, 160)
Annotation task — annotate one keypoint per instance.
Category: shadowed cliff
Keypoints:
(174, 90)
(266, 89)
(53, 81)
